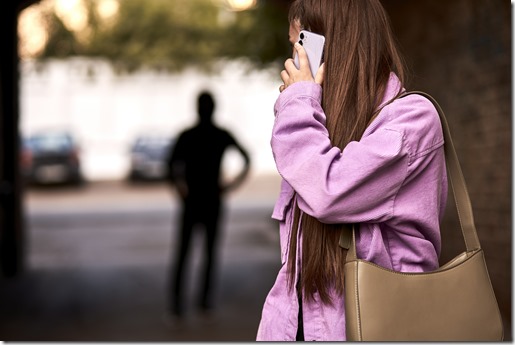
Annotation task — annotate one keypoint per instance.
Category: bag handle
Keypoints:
(458, 186)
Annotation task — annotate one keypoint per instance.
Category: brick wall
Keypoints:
(460, 52)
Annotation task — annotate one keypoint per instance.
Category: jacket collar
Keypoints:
(392, 89)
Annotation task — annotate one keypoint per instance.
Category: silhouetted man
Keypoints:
(194, 167)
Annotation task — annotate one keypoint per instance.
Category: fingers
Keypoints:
(285, 76)
(291, 74)
(303, 57)
(303, 73)
(289, 67)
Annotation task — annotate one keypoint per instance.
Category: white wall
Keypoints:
(105, 110)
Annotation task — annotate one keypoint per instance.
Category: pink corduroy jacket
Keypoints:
(393, 182)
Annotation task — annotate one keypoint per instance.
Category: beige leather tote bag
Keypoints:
(454, 303)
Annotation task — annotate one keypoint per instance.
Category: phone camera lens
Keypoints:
(301, 43)
(301, 35)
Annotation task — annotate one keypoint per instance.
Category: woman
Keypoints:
(350, 149)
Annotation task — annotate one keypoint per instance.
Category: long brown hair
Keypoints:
(359, 55)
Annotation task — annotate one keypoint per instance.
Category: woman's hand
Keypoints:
(292, 75)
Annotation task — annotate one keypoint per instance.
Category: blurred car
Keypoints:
(148, 158)
(51, 158)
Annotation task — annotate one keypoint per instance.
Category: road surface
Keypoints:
(98, 259)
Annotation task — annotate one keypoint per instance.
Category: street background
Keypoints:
(98, 260)
(89, 262)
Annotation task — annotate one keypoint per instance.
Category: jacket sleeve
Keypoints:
(358, 184)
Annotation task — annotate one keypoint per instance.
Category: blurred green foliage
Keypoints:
(174, 34)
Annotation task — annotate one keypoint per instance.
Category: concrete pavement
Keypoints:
(98, 261)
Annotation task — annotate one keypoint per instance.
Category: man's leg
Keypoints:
(182, 251)
(210, 257)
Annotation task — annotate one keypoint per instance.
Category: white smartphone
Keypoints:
(314, 46)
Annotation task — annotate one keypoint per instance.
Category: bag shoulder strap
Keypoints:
(458, 186)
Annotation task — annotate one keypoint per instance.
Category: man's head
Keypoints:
(205, 106)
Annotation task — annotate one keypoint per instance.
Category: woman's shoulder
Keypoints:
(413, 106)
(417, 118)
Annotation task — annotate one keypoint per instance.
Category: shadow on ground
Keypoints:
(96, 273)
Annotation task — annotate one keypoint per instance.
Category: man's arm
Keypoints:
(177, 168)
(242, 175)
